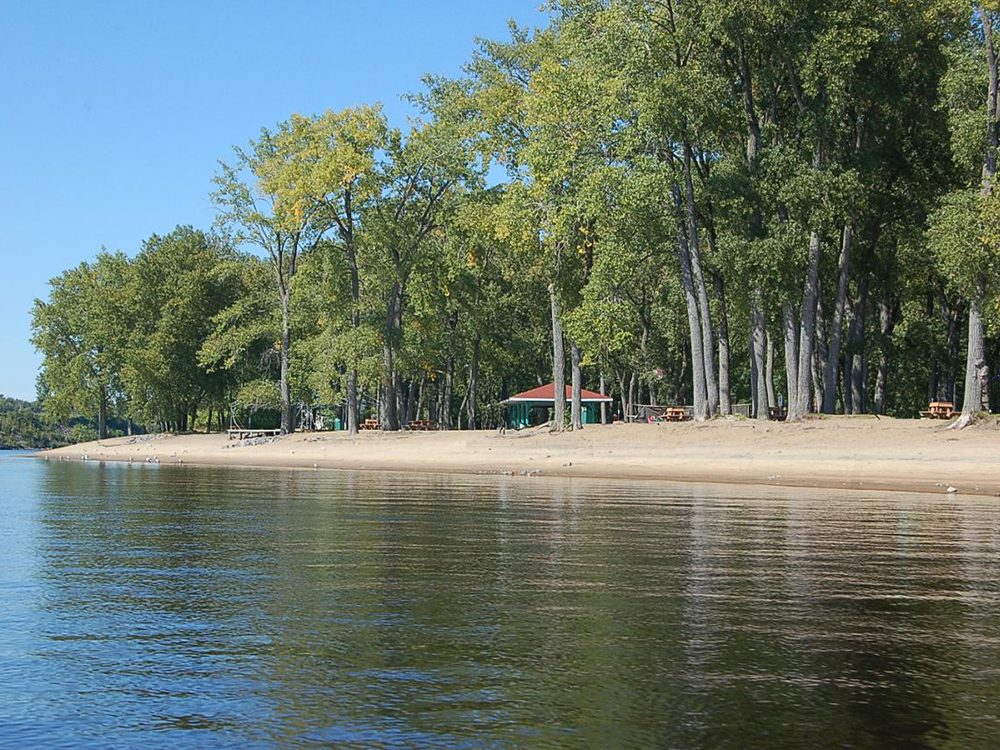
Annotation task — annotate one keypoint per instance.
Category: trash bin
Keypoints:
(336, 424)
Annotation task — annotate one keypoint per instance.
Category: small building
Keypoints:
(534, 407)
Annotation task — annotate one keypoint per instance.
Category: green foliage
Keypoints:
(408, 258)
(81, 332)
(24, 425)
(964, 238)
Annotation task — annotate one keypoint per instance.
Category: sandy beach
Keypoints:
(836, 452)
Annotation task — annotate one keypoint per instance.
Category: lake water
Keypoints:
(184, 607)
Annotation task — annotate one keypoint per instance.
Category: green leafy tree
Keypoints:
(82, 331)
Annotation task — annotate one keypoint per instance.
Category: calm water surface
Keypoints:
(181, 607)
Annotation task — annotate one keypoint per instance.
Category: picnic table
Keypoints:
(370, 424)
(240, 433)
(675, 414)
(939, 410)
(422, 424)
(777, 413)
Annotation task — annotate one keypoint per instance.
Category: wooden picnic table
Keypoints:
(675, 414)
(240, 433)
(370, 424)
(422, 424)
(939, 410)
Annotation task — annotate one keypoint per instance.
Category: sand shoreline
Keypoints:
(860, 453)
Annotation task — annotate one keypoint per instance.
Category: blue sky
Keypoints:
(114, 114)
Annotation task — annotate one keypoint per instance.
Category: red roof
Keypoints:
(547, 393)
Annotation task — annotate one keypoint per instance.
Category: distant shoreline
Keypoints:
(858, 453)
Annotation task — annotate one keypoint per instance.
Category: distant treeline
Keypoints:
(777, 203)
(24, 425)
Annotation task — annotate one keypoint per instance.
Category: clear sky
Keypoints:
(113, 115)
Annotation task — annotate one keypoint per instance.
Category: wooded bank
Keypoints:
(790, 203)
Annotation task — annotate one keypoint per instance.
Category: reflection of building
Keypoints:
(535, 406)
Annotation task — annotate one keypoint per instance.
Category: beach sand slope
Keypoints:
(832, 452)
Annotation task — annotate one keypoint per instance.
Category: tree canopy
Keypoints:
(740, 208)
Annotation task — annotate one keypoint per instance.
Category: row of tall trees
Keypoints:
(776, 203)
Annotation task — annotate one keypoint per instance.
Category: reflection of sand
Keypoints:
(852, 452)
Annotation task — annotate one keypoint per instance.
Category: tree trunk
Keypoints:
(623, 394)
(697, 275)
(390, 420)
(604, 406)
(975, 397)
(558, 366)
(447, 393)
(858, 391)
(992, 102)
(854, 362)
(725, 404)
(473, 391)
(769, 371)
(412, 401)
(819, 354)
(886, 325)
(632, 383)
(420, 397)
(102, 415)
(287, 425)
(976, 371)
(393, 324)
(352, 402)
(758, 340)
(798, 408)
(837, 324)
(790, 329)
(434, 405)
(698, 364)
(576, 407)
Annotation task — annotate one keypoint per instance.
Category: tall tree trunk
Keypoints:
(698, 277)
(558, 365)
(390, 420)
(758, 354)
(837, 324)
(698, 364)
(992, 102)
(576, 405)
(976, 371)
(352, 402)
(854, 362)
(604, 406)
(102, 415)
(819, 353)
(472, 396)
(762, 399)
(623, 394)
(411, 401)
(287, 424)
(420, 397)
(790, 328)
(390, 379)
(858, 390)
(886, 325)
(798, 408)
(725, 405)
(447, 393)
(975, 397)
(769, 371)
